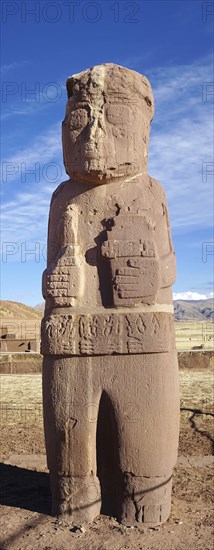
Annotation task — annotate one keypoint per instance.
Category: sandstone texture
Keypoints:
(110, 374)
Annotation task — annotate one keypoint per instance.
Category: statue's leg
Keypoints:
(145, 398)
(70, 419)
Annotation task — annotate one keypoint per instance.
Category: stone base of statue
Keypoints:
(111, 438)
(77, 498)
(131, 500)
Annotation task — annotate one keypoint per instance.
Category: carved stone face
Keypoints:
(107, 123)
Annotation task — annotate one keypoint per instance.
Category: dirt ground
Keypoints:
(25, 498)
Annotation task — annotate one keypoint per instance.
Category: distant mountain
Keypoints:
(16, 310)
(194, 310)
(185, 310)
(40, 307)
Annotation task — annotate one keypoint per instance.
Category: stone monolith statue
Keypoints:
(110, 375)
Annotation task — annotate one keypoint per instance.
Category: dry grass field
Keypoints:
(190, 335)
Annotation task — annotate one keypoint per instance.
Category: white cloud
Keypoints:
(26, 218)
(188, 295)
(14, 112)
(181, 140)
(45, 148)
(31, 98)
(24, 215)
(13, 66)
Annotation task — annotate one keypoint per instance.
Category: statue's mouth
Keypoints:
(97, 177)
(103, 175)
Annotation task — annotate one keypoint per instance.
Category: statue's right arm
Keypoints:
(53, 240)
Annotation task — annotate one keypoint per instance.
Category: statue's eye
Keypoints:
(79, 119)
(118, 115)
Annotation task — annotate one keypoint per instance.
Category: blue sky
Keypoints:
(171, 42)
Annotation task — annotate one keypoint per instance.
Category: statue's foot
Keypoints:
(146, 500)
(76, 498)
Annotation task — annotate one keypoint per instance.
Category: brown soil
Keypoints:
(26, 522)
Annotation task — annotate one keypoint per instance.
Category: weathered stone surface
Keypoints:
(110, 383)
(107, 124)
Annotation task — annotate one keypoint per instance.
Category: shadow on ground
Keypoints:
(192, 420)
(24, 488)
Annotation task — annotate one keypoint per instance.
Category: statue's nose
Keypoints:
(95, 135)
(96, 126)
